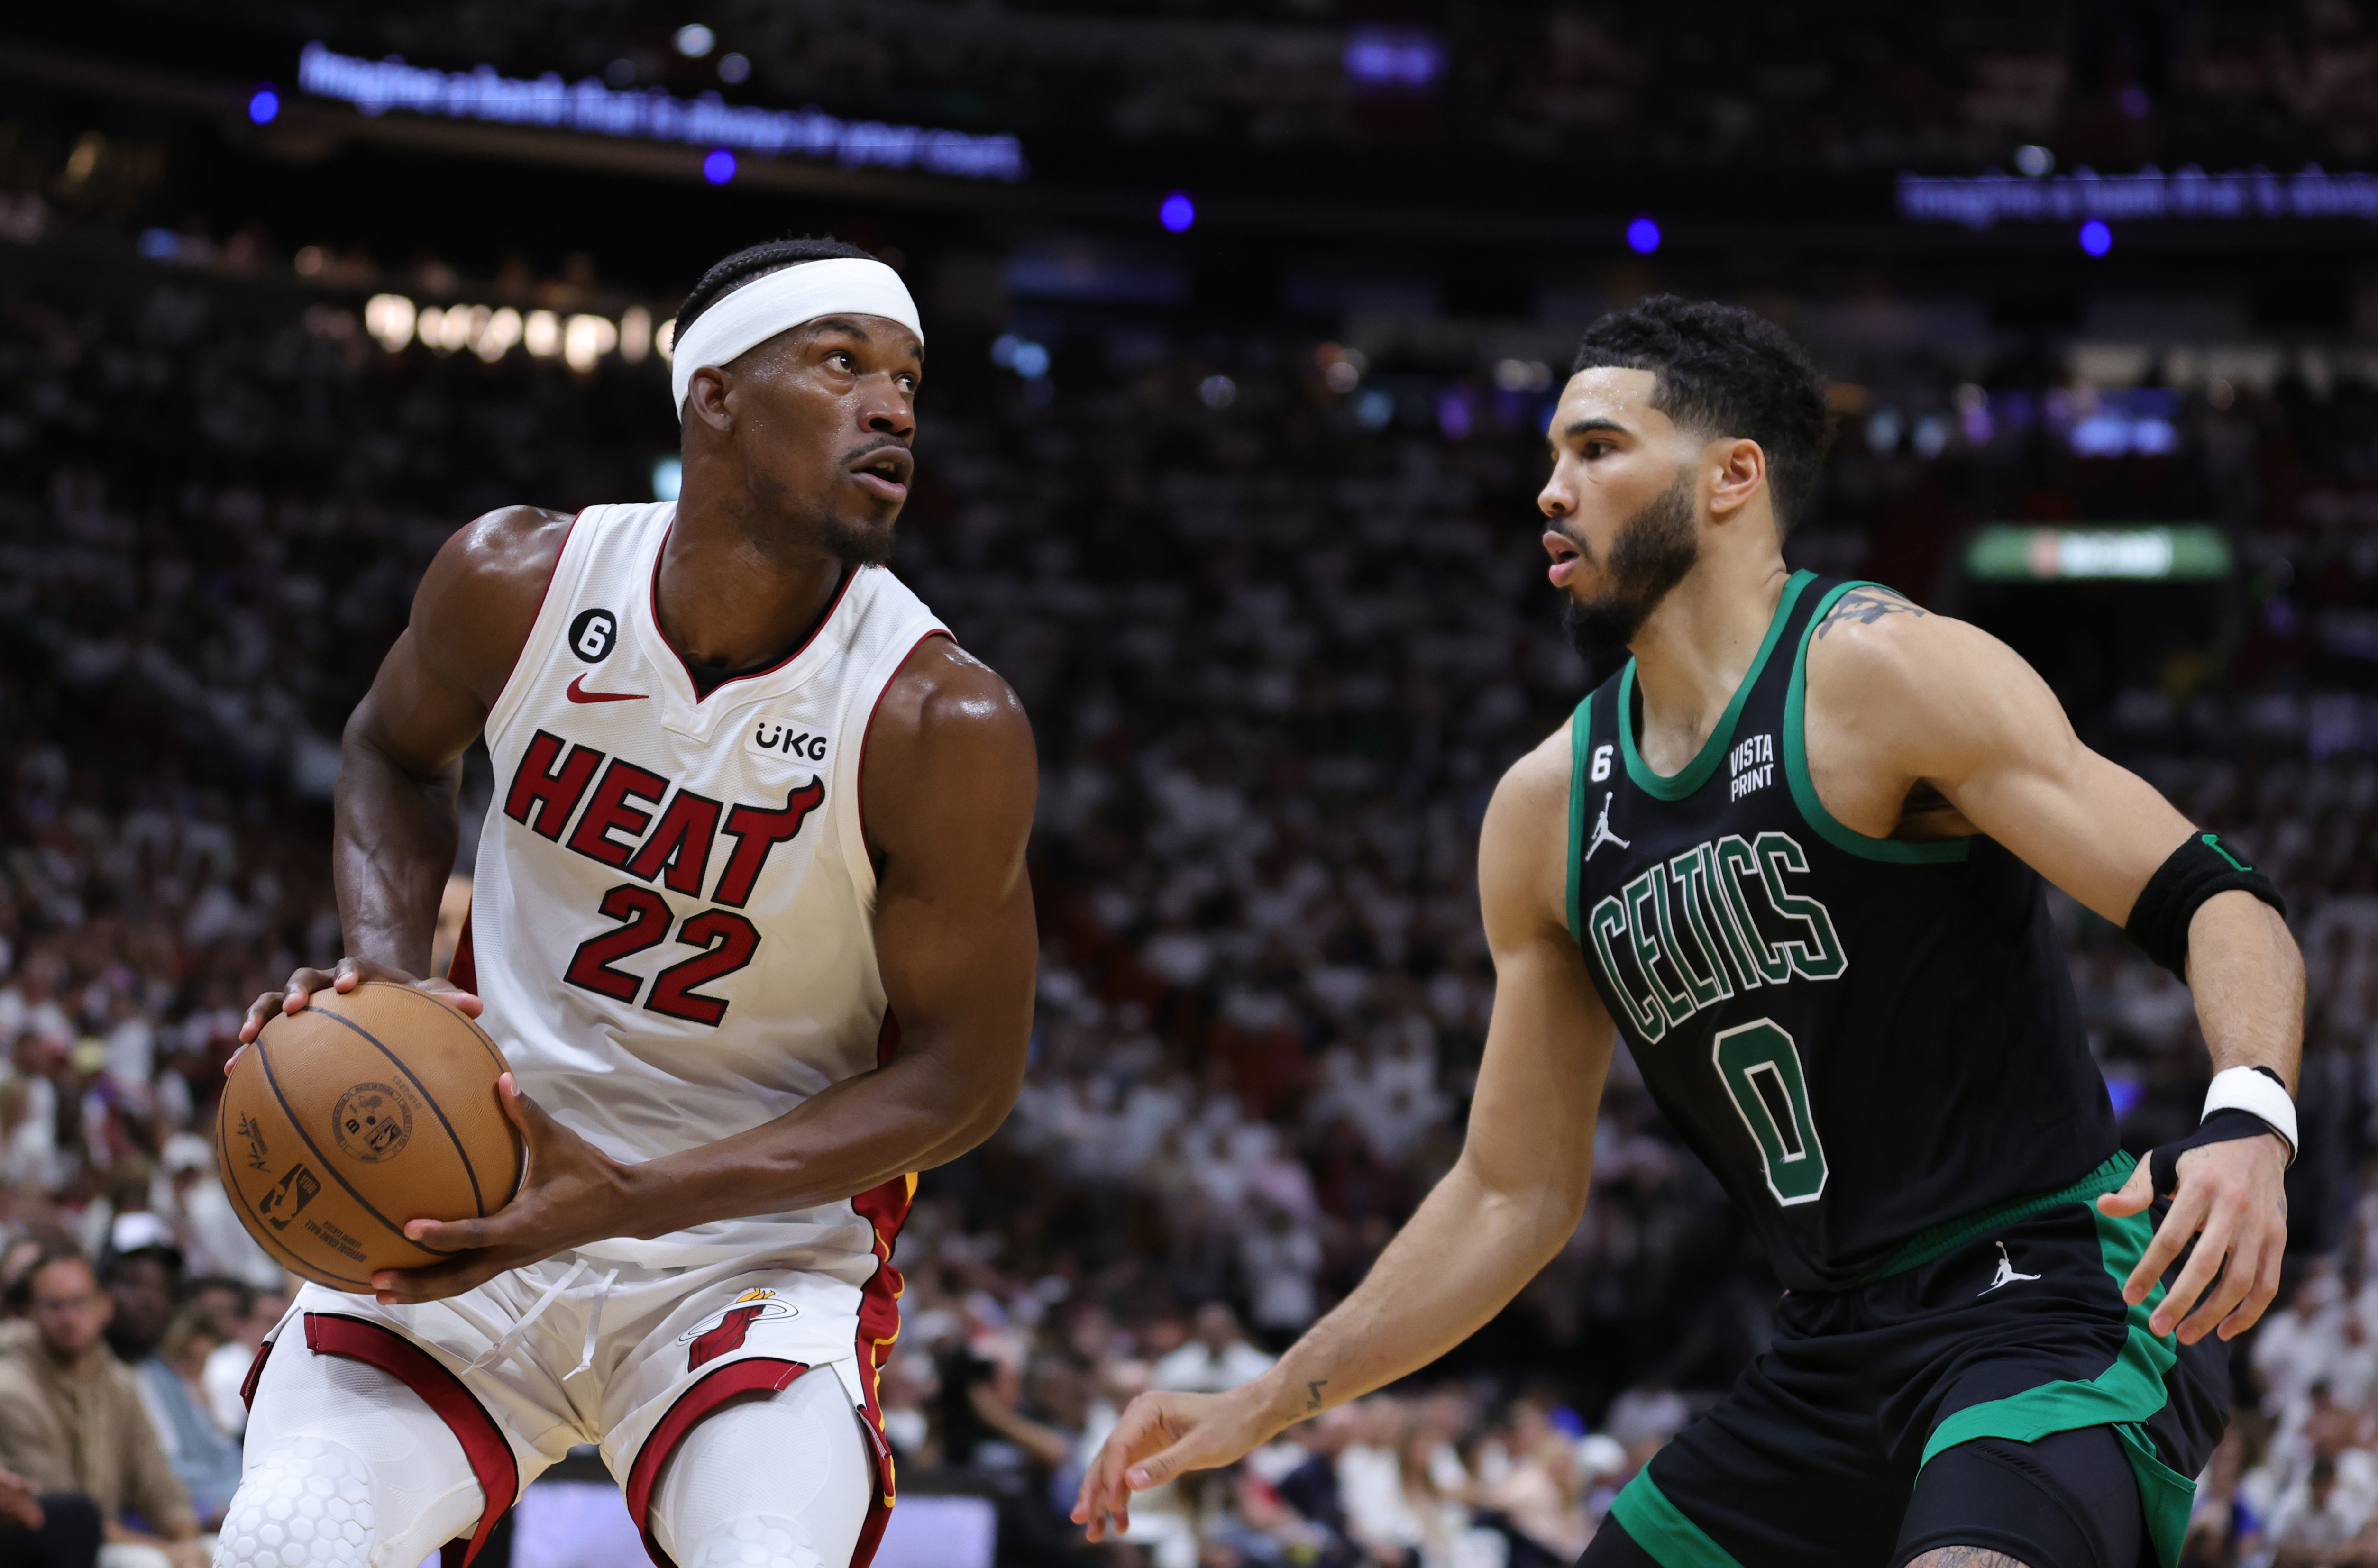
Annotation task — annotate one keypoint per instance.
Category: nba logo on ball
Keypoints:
(372, 1121)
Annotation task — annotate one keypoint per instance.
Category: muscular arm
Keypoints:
(1902, 700)
(1499, 1216)
(400, 760)
(948, 781)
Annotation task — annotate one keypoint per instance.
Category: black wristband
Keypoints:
(2221, 1127)
(2194, 872)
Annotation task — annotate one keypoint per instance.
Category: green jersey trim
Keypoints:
(1704, 763)
(1580, 727)
(1662, 1529)
(1804, 789)
(2124, 1396)
(1940, 1240)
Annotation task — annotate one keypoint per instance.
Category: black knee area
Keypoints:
(70, 1532)
(1612, 1547)
(2068, 1500)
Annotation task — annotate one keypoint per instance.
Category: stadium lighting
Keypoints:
(2096, 238)
(635, 334)
(734, 68)
(586, 338)
(389, 318)
(720, 166)
(264, 104)
(665, 340)
(2035, 160)
(1029, 361)
(1643, 235)
(541, 333)
(1177, 212)
(693, 40)
(498, 336)
(669, 478)
(1217, 391)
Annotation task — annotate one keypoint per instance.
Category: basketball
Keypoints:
(342, 1122)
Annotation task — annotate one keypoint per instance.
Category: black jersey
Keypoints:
(1863, 1037)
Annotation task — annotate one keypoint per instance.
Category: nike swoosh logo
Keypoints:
(578, 693)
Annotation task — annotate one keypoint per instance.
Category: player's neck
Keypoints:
(727, 601)
(1696, 650)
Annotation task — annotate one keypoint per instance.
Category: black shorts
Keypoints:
(2007, 1326)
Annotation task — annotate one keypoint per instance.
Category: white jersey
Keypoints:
(672, 925)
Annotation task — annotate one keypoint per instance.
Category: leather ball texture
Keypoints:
(367, 1110)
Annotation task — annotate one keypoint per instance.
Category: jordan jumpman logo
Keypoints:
(2007, 1274)
(1602, 833)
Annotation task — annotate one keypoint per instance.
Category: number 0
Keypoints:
(1760, 1067)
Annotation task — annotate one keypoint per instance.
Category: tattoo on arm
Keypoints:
(1868, 605)
(1313, 1395)
(1964, 1557)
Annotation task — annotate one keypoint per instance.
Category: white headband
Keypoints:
(779, 301)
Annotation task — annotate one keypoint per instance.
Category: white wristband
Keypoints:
(2243, 1088)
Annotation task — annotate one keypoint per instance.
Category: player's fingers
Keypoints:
(2133, 1197)
(2238, 1270)
(302, 985)
(2265, 1291)
(1192, 1453)
(2212, 1246)
(453, 996)
(259, 1013)
(2179, 1222)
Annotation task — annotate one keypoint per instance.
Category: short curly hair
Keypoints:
(1725, 371)
(754, 261)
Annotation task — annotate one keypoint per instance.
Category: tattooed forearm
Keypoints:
(1964, 1557)
(1313, 1395)
(1868, 605)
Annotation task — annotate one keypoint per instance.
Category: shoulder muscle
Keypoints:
(949, 751)
(479, 599)
(1523, 846)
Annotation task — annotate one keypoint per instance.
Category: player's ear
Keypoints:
(706, 399)
(1738, 467)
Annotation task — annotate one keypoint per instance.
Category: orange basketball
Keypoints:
(366, 1110)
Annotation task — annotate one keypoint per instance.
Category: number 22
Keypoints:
(726, 938)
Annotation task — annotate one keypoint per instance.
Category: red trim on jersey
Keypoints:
(884, 1208)
(462, 969)
(842, 589)
(864, 847)
(753, 1374)
(255, 1375)
(542, 594)
(331, 1333)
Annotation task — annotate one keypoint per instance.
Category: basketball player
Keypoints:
(1793, 853)
(751, 925)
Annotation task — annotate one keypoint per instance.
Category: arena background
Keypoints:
(1245, 318)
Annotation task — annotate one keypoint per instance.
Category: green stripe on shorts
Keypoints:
(1660, 1527)
(2123, 1396)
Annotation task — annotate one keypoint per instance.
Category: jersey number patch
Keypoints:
(1760, 1067)
(726, 938)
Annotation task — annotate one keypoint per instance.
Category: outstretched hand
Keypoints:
(350, 973)
(570, 1193)
(1161, 1437)
(2232, 1198)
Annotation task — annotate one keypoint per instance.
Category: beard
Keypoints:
(854, 542)
(1651, 553)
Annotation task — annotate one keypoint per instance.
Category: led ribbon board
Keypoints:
(377, 86)
(2171, 552)
(1979, 201)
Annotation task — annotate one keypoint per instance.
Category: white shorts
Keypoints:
(576, 1350)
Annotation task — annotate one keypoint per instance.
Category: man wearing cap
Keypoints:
(751, 923)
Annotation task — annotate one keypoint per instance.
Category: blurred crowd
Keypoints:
(1277, 645)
